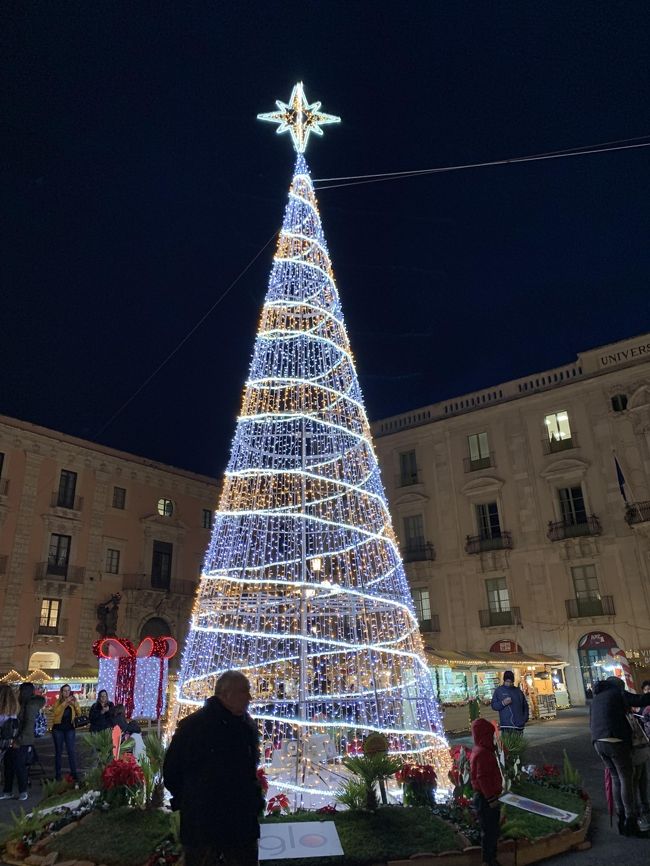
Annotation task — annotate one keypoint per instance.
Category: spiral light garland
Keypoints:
(303, 588)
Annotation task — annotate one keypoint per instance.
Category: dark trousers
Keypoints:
(15, 765)
(68, 737)
(489, 817)
(617, 757)
(245, 854)
(640, 779)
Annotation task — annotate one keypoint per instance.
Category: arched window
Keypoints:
(44, 661)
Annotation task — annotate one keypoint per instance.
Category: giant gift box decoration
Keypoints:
(135, 676)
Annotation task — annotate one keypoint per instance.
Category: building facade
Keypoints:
(81, 524)
(523, 512)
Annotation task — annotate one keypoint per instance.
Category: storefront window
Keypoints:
(593, 651)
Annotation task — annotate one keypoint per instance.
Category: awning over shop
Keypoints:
(488, 661)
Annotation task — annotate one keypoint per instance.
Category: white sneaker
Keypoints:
(23, 796)
(644, 824)
(6, 796)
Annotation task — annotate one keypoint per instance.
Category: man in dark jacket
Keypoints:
(511, 704)
(211, 772)
(611, 734)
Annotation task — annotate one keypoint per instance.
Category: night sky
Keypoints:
(137, 184)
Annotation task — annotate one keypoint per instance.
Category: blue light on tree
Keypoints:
(303, 587)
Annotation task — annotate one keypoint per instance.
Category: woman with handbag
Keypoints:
(64, 714)
(23, 744)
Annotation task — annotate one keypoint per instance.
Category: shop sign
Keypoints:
(505, 646)
(596, 640)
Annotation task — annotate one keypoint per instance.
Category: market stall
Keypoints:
(465, 682)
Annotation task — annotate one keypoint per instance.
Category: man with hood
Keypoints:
(511, 704)
(611, 735)
(210, 769)
(487, 782)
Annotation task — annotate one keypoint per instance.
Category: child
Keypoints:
(488, 784)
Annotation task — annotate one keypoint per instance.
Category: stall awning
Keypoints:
(488, 661)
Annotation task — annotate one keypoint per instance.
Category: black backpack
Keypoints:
(8, 732)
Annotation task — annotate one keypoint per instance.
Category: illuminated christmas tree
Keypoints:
(303, 587)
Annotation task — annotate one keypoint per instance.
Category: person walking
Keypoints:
(64, 712)
(487, 782)
(210, 769)
(611, 735)
(511, 704)
(30, 704)
(101, 713)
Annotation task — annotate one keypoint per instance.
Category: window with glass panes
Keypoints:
(414, 532)
(207, 518)
(572, 505)
(497, 594)
(67, 488)
(558, 426)
(113, 561)
(585, 581)
(161, 564)
(487, 519)
(119, 498)
(408, 468)
(479, 450)
(50, 610)
(58, 554)
(422, 602)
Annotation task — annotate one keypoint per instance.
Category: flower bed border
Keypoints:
(521, 851)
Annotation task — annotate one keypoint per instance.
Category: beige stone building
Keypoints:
(79, 523)
(509, 504)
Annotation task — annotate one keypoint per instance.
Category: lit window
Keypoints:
(497, 594)
(165, 507)
(558, 427)
(479, 451)
(422, 602)
(112, 561)
(207, 518)
(50, 608)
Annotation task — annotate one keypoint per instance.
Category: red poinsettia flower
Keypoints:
(279, 803)
(327, 810)
(124, 772)
(263, 781)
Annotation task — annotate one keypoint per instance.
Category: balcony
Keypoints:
(480, 463)
(419, 552)
(561, 529)
(42, 628)
(4, 486)
(144, 581)
(430, 625)
(637, 512)
(481, 543)
(56, 571)
(491, 618)
(3, 564)
(407, 480)
(597, 606)
(555, 446)
(71, 503)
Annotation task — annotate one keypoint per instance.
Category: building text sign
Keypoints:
(299, 839)
(622, 356)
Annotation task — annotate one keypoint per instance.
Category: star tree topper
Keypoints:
(299, 118)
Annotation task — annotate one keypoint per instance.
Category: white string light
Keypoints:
(303, 588)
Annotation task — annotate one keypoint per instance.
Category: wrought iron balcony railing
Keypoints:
(637, 512)
(479, 463)
(490, 618)
(553, 446)
(561, 529)
(419, 552)
(481, 543)
(72, 503)
(597, 606)
(64, 573)
(430, 625)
